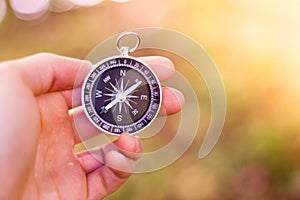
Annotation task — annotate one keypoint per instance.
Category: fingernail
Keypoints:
(136, 140)
(118, 161)
(179, 96)
(137, 145)
(162, 66)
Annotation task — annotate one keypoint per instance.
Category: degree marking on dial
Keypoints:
(135, 112)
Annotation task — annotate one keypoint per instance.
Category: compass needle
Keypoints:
(111, 104)
(132, 88)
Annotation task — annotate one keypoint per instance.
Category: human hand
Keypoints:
(38, 136)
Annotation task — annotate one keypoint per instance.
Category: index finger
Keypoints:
(161, 66)
(46, 72)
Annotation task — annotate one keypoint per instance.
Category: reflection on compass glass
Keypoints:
(121, 94)
(128, 89)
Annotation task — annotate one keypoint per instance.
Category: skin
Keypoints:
(38, 135)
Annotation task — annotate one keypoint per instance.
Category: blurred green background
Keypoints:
(255, 45)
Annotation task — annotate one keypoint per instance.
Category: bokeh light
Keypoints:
(86, 3)
(120, 1)
(35, 9)
(61, 6)
(3, 9)
(29, 9)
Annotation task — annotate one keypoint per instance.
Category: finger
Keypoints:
(47, 72)
(83, 127)
(172, 102)
(103, 181)
(127, 145)
(162, 66)
(72, 97)
(118, 167)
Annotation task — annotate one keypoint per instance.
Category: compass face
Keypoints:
(121, 94)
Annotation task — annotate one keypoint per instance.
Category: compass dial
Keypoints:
(121, 94)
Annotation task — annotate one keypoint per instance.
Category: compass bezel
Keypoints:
(139, 67)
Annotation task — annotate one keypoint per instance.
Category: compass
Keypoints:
(121, 93)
